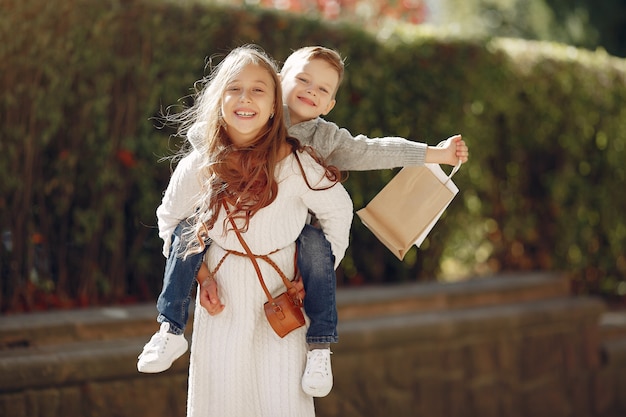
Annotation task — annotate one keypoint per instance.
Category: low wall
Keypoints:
(516, 345)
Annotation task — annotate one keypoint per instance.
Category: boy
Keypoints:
(310, 78)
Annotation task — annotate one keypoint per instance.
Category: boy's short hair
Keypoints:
(309, 53)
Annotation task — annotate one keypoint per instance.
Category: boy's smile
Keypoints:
(309, 89)
(306, 100)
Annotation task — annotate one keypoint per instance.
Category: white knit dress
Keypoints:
(239, 366)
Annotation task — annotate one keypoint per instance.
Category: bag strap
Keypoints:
(290, 287)
(455, 169)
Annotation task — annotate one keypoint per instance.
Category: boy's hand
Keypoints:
(456, 149)
(449, 151)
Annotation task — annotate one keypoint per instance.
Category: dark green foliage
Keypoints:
(82, 81)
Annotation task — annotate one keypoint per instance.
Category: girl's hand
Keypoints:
(300, 287)
(208, 297)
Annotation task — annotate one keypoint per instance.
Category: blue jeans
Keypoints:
(315, 261)
(178, 284)
(317, 267)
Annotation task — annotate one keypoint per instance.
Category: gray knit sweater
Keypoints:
(356, 153)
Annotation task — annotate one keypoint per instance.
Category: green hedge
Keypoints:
(79, 155)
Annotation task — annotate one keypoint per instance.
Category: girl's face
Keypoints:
(247, 103)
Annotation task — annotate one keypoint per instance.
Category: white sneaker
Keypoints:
(317, 380)
(161, 351)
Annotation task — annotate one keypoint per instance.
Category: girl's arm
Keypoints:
(332, 207)
(180, 198)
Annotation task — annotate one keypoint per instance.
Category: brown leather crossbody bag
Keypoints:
(284, 312)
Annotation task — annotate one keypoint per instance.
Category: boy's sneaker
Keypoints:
(161, 351)
(317, 380)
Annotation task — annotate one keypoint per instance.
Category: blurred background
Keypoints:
(536, 87)
(582, 23)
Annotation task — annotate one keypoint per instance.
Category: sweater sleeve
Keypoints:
(332, 207)
(358, 153)
(180, 199)
(195, 135)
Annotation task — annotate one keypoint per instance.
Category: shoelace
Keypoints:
(319, 362)
(156, 343)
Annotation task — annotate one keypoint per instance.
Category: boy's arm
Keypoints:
(180, 198)
(360, 153)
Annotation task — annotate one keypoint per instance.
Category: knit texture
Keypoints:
(239, 366)
(356, 153)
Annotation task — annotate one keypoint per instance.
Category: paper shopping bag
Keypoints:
(407, 208)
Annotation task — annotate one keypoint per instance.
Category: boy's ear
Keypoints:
(331, 105)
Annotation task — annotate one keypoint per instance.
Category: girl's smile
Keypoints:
(247, 104)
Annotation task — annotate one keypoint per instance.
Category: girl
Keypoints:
(239, 366)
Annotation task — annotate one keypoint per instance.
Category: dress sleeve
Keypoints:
(332, 206)
(180, 199)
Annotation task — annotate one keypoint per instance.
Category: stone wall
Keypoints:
(516, 345)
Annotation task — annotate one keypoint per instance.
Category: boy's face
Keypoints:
(309, 89)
